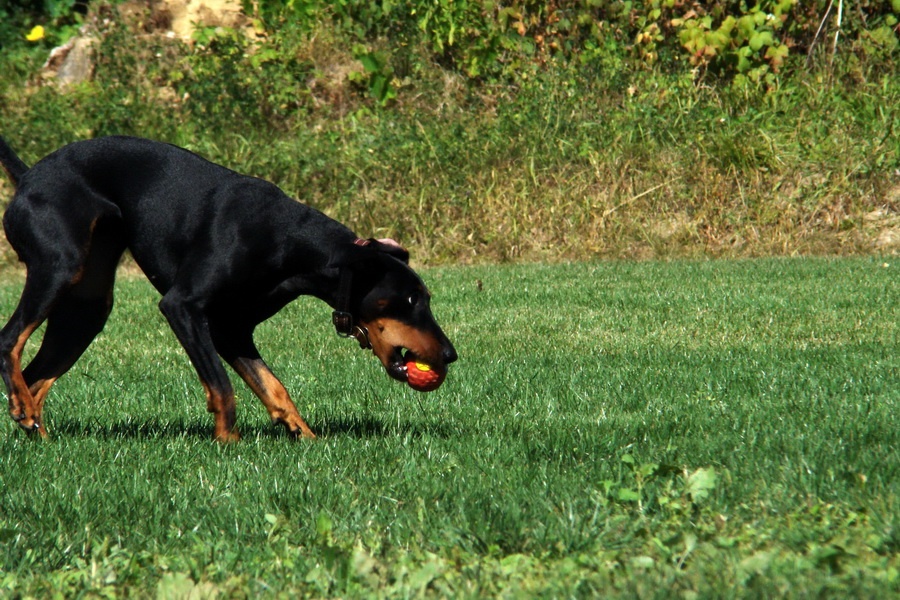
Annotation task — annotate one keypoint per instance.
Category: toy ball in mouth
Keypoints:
(422, 377)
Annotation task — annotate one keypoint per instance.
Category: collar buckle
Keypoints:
(343, 323)
(345, 327)
(342, 317)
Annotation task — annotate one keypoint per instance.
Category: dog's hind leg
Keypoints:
(71, 326)
(12, 341)
(42, 289)
(76, 317)
(53, 241)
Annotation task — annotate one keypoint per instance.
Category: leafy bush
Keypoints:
(544, 130)
(488, 41)
(227, 79)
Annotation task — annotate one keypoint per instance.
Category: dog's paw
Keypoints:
(227, 437)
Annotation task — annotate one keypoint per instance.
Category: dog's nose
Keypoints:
(450, 355)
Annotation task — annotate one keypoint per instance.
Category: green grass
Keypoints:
(724, 429)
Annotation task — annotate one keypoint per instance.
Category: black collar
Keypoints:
(343, 320)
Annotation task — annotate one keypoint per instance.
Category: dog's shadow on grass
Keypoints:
(127, 429)
(367, 427)
(362, 427)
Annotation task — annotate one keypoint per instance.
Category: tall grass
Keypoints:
(653, 429)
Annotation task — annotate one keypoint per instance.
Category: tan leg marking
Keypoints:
(273, 395)
(39, 390)
(222, 406)
(22, 406)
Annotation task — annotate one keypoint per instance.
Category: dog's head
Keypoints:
(391, 307)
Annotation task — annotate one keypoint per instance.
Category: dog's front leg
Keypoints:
(273, 395)
(191, 327)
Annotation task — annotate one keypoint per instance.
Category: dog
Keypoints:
(226, 251)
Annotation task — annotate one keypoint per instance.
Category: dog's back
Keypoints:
(164, 200)
(124, 171)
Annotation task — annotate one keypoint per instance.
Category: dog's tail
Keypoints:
(11, 162)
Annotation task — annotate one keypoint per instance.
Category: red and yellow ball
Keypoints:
(423, 377)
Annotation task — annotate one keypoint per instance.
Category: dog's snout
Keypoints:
(450, 354)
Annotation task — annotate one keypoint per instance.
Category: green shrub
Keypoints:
(227, 79)
(489, 41)
(542, 130)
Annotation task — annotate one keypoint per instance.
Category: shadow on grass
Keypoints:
(367, 427)
(362, 427)
(131, 429)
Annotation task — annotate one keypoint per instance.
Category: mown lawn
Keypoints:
(696, 429)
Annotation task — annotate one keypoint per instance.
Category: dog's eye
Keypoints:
(412, 300)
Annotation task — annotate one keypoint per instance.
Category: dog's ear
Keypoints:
(391, 247)
(360, 252)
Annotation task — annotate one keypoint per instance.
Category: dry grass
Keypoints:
(513, 214)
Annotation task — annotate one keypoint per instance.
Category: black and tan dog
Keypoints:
(225, 250)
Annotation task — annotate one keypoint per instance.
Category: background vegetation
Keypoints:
(484, 131)
(711, 429)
